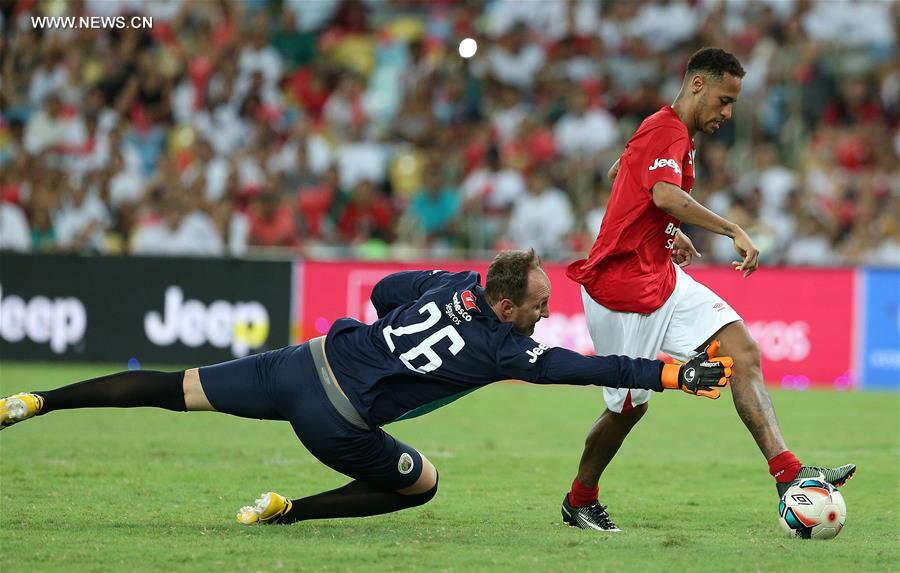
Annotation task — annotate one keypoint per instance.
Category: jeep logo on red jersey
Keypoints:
(666, 163)
(468, 300)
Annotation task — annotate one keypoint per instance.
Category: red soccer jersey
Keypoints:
(630, 266)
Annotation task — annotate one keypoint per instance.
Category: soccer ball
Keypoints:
(812, 509)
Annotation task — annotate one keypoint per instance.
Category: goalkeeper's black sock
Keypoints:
(129, 389)
(356, 499)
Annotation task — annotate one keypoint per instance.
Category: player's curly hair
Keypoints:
(714, 62)
(507, 277)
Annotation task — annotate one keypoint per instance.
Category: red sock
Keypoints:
(581, 496)
(784, 467)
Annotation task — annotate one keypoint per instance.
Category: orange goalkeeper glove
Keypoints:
(701, 374)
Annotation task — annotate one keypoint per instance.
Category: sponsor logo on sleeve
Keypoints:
(535, 352)
(456, 310)
(468, 300)
(666, 163)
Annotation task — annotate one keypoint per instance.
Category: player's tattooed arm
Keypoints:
(674, 201)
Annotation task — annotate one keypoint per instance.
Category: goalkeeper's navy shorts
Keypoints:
(285, 384)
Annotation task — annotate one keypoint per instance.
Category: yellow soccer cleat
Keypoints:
(269, 507)
(18, 407)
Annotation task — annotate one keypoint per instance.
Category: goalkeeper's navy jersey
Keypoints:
(437, 339)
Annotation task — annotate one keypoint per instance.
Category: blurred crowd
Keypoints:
(355, 128)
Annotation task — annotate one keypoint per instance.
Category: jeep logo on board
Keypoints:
(58, 321)
(242, 325)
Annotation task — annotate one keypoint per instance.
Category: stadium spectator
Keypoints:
(147, 96)
(585, 131)
(50, 129)
(43, 233)
(197, 233)
(49, 78)
(272, 221)
(314, 203)
(21, 62)
(14, 232)
(488, 194)
(83, 218)
(811, 245)
(359, 157)
(345, 107)
(514, 59)
(542, 219)
(258, 57)
(435, 209)
(367, 215)
(416, 121)
(508, 115)
(773, 179)
(296, 47)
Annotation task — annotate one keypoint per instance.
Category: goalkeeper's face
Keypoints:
(536, 304)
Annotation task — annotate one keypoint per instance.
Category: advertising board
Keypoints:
(190, 311)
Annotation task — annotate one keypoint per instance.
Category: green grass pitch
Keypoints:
(147, 490)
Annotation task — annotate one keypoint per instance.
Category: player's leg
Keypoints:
(129, 389)
(359, 498)
(388, 475)
(754, 406)
(702, 316)
(748, 390)
(580, 507)
(612, 333)
(195, 399)
(236, 387)
(603, 441)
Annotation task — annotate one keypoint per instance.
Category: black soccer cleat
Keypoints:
(592, 516)
(835, 476)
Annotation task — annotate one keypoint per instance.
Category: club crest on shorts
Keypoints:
(405, 464)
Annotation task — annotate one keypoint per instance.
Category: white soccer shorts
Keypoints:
(690, 316)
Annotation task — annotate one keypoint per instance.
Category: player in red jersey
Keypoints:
(637, 299)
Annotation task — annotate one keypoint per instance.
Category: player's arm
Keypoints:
(684, 251)
(674, 201)
(614, 170)
(699, 376)
(400, 288)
